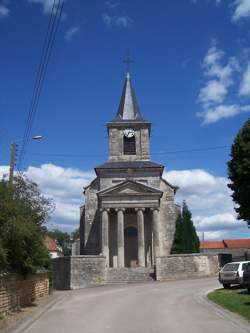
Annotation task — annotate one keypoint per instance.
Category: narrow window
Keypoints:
(129, 146)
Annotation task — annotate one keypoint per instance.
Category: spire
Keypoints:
(128, 109)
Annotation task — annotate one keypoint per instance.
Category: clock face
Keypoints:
(129, 132)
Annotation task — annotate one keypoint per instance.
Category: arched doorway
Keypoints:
(131, 247)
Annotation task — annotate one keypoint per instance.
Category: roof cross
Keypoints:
(128, 61)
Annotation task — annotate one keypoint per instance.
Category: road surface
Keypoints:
(169, 307)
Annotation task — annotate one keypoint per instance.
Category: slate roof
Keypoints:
(128, 108)
(128, 165)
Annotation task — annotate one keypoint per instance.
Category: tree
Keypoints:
(23, 212)
(178, 236)
(239, 172)
(75, 234)
(185, 239)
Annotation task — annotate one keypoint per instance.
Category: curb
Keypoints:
(22, 325)
(241, 324)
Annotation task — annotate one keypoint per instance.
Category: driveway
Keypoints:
(169, 307)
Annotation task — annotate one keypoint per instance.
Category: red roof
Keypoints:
(50, 243)
(237, 243)
(212, 245)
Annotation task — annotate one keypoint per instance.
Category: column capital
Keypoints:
(120, 209)
(155, 209)
(104, 209)
(140, 209)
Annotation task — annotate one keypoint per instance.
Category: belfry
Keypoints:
(129, 213)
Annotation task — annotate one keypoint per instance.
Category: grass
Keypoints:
(234, 299)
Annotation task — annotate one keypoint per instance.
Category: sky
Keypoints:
(191, 75)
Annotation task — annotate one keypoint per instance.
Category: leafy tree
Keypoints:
(239, 172)
(63, 239)
(23, 211)
(75, 234)
(185, 239)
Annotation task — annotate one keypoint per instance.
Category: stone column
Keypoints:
(120, 237)
(105, 234)
(141, 236)
(156, 232)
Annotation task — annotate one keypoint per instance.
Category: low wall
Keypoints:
(186, 266)
(78, 272)
(16, 291)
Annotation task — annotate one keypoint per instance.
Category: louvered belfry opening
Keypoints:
(129, 147)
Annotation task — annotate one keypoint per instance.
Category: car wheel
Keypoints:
(226, 285)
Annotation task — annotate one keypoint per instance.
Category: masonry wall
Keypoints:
(16, 291)
(186, 266)
(78, 272)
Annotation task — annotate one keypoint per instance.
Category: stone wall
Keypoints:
(186, 266)
(78, 272)
(16, 291)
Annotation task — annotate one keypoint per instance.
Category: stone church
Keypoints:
(129, 213)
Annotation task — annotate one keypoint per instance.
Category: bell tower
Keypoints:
(128, 132)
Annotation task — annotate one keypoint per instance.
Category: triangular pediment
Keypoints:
(129, 187)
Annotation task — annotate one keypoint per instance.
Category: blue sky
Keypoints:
(191, 74)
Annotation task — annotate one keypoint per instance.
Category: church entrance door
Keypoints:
(131, 247)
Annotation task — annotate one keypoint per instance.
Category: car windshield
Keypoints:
(247, 268)
(230, 267)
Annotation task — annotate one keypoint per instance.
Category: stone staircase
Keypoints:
(130, 275)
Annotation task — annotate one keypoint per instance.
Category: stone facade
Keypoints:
(16, 291)
(129, 213)
(186, 266)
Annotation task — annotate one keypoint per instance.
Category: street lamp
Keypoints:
(13, 156)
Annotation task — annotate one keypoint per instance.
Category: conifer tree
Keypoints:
(178, 237)
(186, 239)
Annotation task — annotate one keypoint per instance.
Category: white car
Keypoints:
(232, 273)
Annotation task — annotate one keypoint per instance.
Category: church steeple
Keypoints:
(128, 108)
(128, 132)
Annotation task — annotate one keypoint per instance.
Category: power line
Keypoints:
(54, 21)
(70, 155)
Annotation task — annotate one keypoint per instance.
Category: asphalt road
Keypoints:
(169, 307)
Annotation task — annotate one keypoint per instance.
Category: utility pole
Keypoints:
(12, 162)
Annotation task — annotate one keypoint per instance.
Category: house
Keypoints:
(239, 248)
(54, 250)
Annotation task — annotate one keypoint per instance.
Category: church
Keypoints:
(129, 213)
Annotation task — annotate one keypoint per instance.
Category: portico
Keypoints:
(129, 205)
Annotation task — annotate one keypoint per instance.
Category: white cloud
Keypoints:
(4, 11)
(107, 20)
(209, 200)
(207, 196)
(214, 114)
(111, 4)
(71, 32)
(214, 235)
(214, 94)
(123, 21)
(216, 89)
(241, 10)
(245, 84)
(46, 4)
(119, 21)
